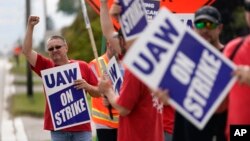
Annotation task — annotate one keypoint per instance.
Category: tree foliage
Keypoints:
(78, 38)
(233, 19)
(68, 6)
(79, 41)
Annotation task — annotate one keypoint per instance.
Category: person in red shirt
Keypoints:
(140, 112)
(239, 98)
(16, 53)
(57, 49)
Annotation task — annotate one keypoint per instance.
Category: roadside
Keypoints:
(20, 128)
(33, 126)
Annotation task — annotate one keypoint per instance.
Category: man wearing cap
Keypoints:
(239, 96)
(208, 24)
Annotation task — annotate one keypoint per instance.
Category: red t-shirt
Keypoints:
(168, 119)
(45, 63)
(239, 96)
(144, 122)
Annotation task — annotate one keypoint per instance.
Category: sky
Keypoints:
(13, 21)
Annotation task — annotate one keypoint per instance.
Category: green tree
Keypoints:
(233, 19)
(68, 7)
(76, 34)
(78, 37)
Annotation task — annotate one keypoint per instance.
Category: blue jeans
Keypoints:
(168, 137)
(71, 136)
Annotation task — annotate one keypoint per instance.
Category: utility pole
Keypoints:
(29, 72)
(45, 15)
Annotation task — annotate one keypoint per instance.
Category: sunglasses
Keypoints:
(56, 48)
(205, 24)
(247, 6)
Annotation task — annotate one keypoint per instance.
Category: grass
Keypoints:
(21, 68)
(21, 104)
(20, 82)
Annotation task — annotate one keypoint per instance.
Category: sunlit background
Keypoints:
(13, 21)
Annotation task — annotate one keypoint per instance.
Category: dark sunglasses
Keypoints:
(247, 6)
(205, 24)
(56, 48)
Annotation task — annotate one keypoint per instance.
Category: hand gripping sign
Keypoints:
(169, 55)
(68, 106)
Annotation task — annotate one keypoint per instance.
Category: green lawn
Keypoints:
(21, 104)
(20, 82)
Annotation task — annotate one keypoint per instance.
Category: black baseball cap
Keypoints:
(208, 13)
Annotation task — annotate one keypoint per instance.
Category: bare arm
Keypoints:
(107, 26)
(27, 50)
(106, 88)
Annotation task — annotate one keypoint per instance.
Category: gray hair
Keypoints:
(57, 37)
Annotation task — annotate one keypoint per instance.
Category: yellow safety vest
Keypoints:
(100, 113)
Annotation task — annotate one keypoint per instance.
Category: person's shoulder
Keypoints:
(231, 45)
(104, 56)
(234, 41)
(81, 62)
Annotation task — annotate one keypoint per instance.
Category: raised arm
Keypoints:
(107, 26)
(27, 50)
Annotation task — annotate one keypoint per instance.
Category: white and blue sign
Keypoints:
(133, 18)
(114, 72)
(152, 8)
(186, 18)
(68, 106)
(169, 55)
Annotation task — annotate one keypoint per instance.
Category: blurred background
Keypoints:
(65, 17)
(56, 17)
(62, 17)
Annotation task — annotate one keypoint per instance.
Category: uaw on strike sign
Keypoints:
(133, 18)
(68, 106)
(169, 55)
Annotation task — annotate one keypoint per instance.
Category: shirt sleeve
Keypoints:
(42, 63)
(87, 73)
(131, 91)
(229, 48)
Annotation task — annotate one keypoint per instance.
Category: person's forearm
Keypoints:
(27, 50)
(112, 97)
(108, 27)
(27, 44)
(93, 91)
(106, 21)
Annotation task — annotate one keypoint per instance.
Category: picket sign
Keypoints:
(68, 106)
(115, 75)
(170, 55)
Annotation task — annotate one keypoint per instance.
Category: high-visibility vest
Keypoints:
(100, 113)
